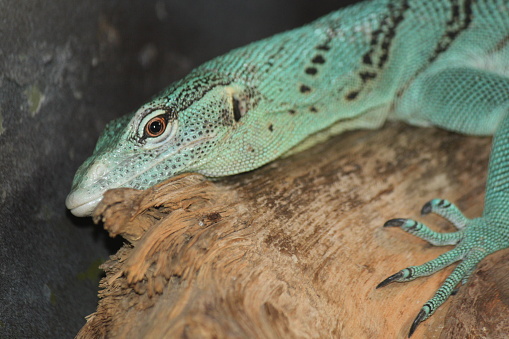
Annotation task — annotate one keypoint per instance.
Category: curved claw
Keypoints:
(425, 233)
(474, 240)
(427, 208)
(423, 314)
(447, 210)
(395, 222)
(392, 278)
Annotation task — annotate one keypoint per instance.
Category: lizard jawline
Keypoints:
(79, 208)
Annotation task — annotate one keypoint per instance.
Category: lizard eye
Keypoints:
(155, 126)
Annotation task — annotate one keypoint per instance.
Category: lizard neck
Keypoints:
(302, 82)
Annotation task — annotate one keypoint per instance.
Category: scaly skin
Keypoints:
(443, 63)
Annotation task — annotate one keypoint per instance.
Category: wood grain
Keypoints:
(296, 248)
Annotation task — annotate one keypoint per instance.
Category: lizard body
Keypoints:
(429, 63)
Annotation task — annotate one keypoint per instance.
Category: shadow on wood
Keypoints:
(295, 249)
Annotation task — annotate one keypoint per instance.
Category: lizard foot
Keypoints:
(474, 240)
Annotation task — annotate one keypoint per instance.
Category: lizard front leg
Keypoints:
(483, 108)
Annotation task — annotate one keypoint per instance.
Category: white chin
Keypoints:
(81, 208)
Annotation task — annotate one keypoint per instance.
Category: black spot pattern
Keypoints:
(305, 89)
(460, 19)
(311, 70)
(381, 38)
(318, 59)
(352, 95)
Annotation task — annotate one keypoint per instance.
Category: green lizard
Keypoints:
(438, 63)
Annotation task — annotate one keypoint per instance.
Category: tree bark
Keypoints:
(296, 248)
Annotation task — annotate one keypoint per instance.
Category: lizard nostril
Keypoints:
(97, 171)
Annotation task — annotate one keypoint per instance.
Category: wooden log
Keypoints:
(296, 248)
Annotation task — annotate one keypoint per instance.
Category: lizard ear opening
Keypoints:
(238, 104)
(237, 113)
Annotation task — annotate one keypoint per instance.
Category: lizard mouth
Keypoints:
(82, 202)
(82, 205)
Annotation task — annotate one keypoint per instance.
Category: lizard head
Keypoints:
(179, 131)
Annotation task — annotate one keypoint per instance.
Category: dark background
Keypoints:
(66, 69)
